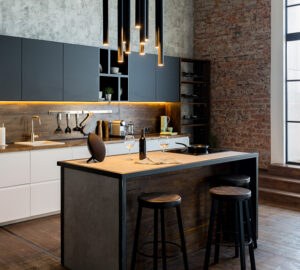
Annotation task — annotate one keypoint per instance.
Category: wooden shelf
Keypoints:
(194, 82)
(194, 125)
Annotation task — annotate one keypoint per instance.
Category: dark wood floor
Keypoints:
(36, 244)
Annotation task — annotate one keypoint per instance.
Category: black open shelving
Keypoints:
(119, 82)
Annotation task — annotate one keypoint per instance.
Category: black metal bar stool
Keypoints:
(240, 197)
(239, 180)
(159, 201)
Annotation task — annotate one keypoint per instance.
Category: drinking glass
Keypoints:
(129, 143)
(164, 143)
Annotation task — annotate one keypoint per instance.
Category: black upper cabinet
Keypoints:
(141, 77)
(167, 80)
(42, 70)
(81, 73)
(10, 68)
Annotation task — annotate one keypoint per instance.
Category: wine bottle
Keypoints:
(143, 151)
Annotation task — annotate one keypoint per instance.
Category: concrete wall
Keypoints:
(80, 22)
(236, 36)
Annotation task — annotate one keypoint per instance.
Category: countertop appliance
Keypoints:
(118, 128)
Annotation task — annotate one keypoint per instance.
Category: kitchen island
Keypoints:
(99, 204)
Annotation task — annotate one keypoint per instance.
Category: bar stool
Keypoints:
(239, 180)
(240, 197)
(159, 201)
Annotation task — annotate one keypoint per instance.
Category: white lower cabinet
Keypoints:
(30, 180)
(45, 197)
(14, 203)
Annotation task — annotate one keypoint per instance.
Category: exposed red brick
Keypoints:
(236, 36)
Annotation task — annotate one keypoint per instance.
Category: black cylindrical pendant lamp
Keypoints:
(156, 22)
(127, 23)
(147, 20)
(137, 14)
(143, 21)
(105, 23)
(120, 30)
(160, 31)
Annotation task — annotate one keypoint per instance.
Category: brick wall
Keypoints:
(236, 36)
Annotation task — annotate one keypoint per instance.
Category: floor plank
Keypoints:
(36, 245)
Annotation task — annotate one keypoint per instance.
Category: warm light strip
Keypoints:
(78, 102)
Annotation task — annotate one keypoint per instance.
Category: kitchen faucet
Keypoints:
(33, 136)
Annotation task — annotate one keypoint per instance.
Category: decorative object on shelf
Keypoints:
(108, 91)
(114, 70)
(100, 95)
(170, 129)
(96, 148)
(105, 24)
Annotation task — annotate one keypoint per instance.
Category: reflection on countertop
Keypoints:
(74, 142)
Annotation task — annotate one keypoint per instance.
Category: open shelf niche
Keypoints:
(195, 99)
(118, 81)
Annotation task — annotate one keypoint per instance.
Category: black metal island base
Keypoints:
(99, 205)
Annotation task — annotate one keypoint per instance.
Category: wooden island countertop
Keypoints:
(99, 204)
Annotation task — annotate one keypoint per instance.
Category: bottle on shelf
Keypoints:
(143, 150)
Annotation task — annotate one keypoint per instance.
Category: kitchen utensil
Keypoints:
(130, 128)
(118, 128)
(68, 129)
(196, 148)
(58, 130)
(164, 121)
(96, 148)
(77, 128)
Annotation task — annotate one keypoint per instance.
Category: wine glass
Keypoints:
(129, 143)
(164, 143)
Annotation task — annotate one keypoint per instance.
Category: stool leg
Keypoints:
(218, 234)
(251, 249)
(210, 232)
(252, 223)
(155, 242)
(236, 231)
(183, 246)
(136, 238)
(163, 239)
(242, 236)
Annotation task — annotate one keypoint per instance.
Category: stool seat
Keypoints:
(233, 180)
(159, 200)
(230, 193)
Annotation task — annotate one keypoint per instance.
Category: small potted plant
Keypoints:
(108, 91)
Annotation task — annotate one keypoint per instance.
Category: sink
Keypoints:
(40, 143)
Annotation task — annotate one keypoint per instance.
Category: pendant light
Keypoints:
(147, 20)
(105, 23)
(137, 14)
(159, 7)
(143, 22)
(120, 30)
(142, 49)
(127, 24)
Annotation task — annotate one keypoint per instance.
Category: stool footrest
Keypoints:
(159, 257)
